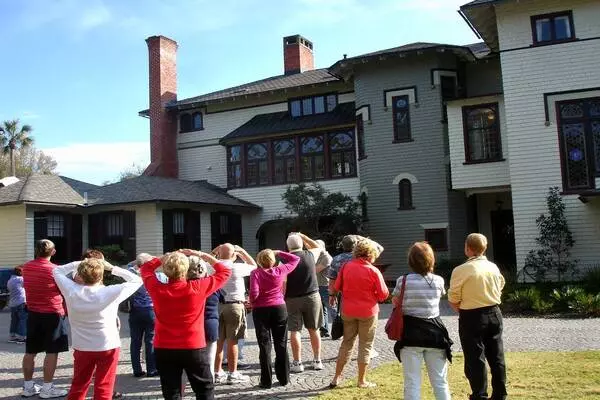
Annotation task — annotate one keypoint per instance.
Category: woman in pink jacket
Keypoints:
(270, 314)
(362, 287)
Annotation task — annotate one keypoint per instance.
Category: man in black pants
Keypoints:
(475, 291)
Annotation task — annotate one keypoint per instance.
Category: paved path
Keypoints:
(521, 334)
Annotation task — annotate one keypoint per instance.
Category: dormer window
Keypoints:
(553, 28)
(312, 105)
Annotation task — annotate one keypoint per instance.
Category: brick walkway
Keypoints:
(521, 334)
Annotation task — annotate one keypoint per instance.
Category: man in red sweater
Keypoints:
(46, 325)
(179, 342)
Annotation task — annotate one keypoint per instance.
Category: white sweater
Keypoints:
(93, 310)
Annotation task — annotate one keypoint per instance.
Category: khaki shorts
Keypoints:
(232, 321)
(307, 309)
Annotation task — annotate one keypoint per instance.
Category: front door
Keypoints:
(226, 227)
(503, 238)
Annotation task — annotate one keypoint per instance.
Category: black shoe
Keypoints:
(139, 374)
(152, 374)
(325, 334)
(117, 395)
(264, 386)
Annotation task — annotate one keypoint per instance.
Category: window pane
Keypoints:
(197, 121)
(263, 170)
(307, 173)
(448, 87)
(543, 30)
(223, 224)
(235, 175)
(307, 107)
(252, 174)
(312, 145)
(284, 148)
(257, 152)
(349, 163)
(576, 158)
(290, 170)
(114, 225)
(319, 105)
(55, 226)
(483, 134)
(185, 123)
(280, 170)
(331, 102)
(437, 239)
(296, 108)
(178, 223)
(235, 153)
(562, 28)
(341, 141)
(319, 167)
(401, 112)
(336, 165)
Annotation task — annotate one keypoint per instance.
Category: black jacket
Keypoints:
(422, 332)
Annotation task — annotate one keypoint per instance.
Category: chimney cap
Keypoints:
(297, 39)
(155, 38)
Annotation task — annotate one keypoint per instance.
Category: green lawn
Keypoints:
(552, 375)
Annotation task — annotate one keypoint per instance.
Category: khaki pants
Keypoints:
(364, 328)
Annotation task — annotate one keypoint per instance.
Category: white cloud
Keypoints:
(93, 17)
(98, 162)
(73, 15)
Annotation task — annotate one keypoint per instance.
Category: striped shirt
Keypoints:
(43, 296)
(421, 295)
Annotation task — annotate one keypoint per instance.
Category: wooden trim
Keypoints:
(552, 17)
(465, 110)
(548, 94)
(397, 139)
(385, 92)
(433, 70)
(484, 161)
(551, 44)
(281, 135)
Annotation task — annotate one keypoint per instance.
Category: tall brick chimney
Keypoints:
(162, 53)
(297, 55)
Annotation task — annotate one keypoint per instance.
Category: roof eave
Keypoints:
(244, 139)
(481, 18)
(249, 205)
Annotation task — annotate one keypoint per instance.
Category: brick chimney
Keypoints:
(162, 53)
(297, 55)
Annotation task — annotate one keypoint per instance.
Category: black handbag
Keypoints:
(337, 327)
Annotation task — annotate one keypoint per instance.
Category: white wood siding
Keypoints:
(13, 236)
(482, 175)
(206, 162)
(533, 146)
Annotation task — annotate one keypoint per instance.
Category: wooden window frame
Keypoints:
(437, 230)
(284, 159)
(466, 130)
(360, 137)
(552, 17)
(404, 203)
(343, 152)
(248, 161)
(297, 156)
(201, 127)
(312, 157)
(185, 127)
(397, 137)
(312, 98)
(55, 217)
(586, 120)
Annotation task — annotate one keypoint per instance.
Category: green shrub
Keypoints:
(524, 300)
(563, 297)
(591, 280)
(587, 305)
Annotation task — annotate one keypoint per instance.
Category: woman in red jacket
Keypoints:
(179, 342)
(362, 287)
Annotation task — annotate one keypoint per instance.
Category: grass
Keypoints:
(551, 375)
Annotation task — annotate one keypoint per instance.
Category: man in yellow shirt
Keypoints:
(475, 291)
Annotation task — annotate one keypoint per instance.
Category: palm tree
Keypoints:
(13, 138)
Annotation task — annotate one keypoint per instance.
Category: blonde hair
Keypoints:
(477, 243)
(175, 265)
(44, 248)
(421, 258)
(366, 249)
(266, 258)
(91, 271)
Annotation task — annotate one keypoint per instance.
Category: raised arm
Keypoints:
(214, 282)
(308, 242)
(288, 261)
(64, 283)
(244, 255)
(254, 288)
(131, 284)
(147, 272)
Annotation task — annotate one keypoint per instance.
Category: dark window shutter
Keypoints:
(215, 231)
(129, 234)
(192, 229)
(76, 236)
(168, 240)
(95, 230)
(235, 228)
(40, 226)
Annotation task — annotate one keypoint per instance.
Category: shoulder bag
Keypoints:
(394, 328)
(337, 326)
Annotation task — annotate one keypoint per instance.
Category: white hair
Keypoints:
(320, 243)
(294, 242)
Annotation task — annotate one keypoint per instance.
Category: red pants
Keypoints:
(104, 363)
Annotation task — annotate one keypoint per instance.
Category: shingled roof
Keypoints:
(52, 189)
(47, 189)
(283, 122)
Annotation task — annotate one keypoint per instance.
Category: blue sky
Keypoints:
(77, 70)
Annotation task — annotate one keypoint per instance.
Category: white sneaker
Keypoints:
(297, 366)
(52, 393)
(220, 376)
(317, 365)
(32, 391)
(236, 377)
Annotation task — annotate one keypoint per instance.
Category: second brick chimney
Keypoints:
(297, 55)
(162, 53)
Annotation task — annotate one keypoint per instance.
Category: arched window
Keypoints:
(313, 159)
(343, 155)
(285, 161)
(257, 165)
(405, 195)
(185, 123)
(197, 123)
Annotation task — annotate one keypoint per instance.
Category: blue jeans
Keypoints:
(324, 292)
(141, 326)
(18, 321)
